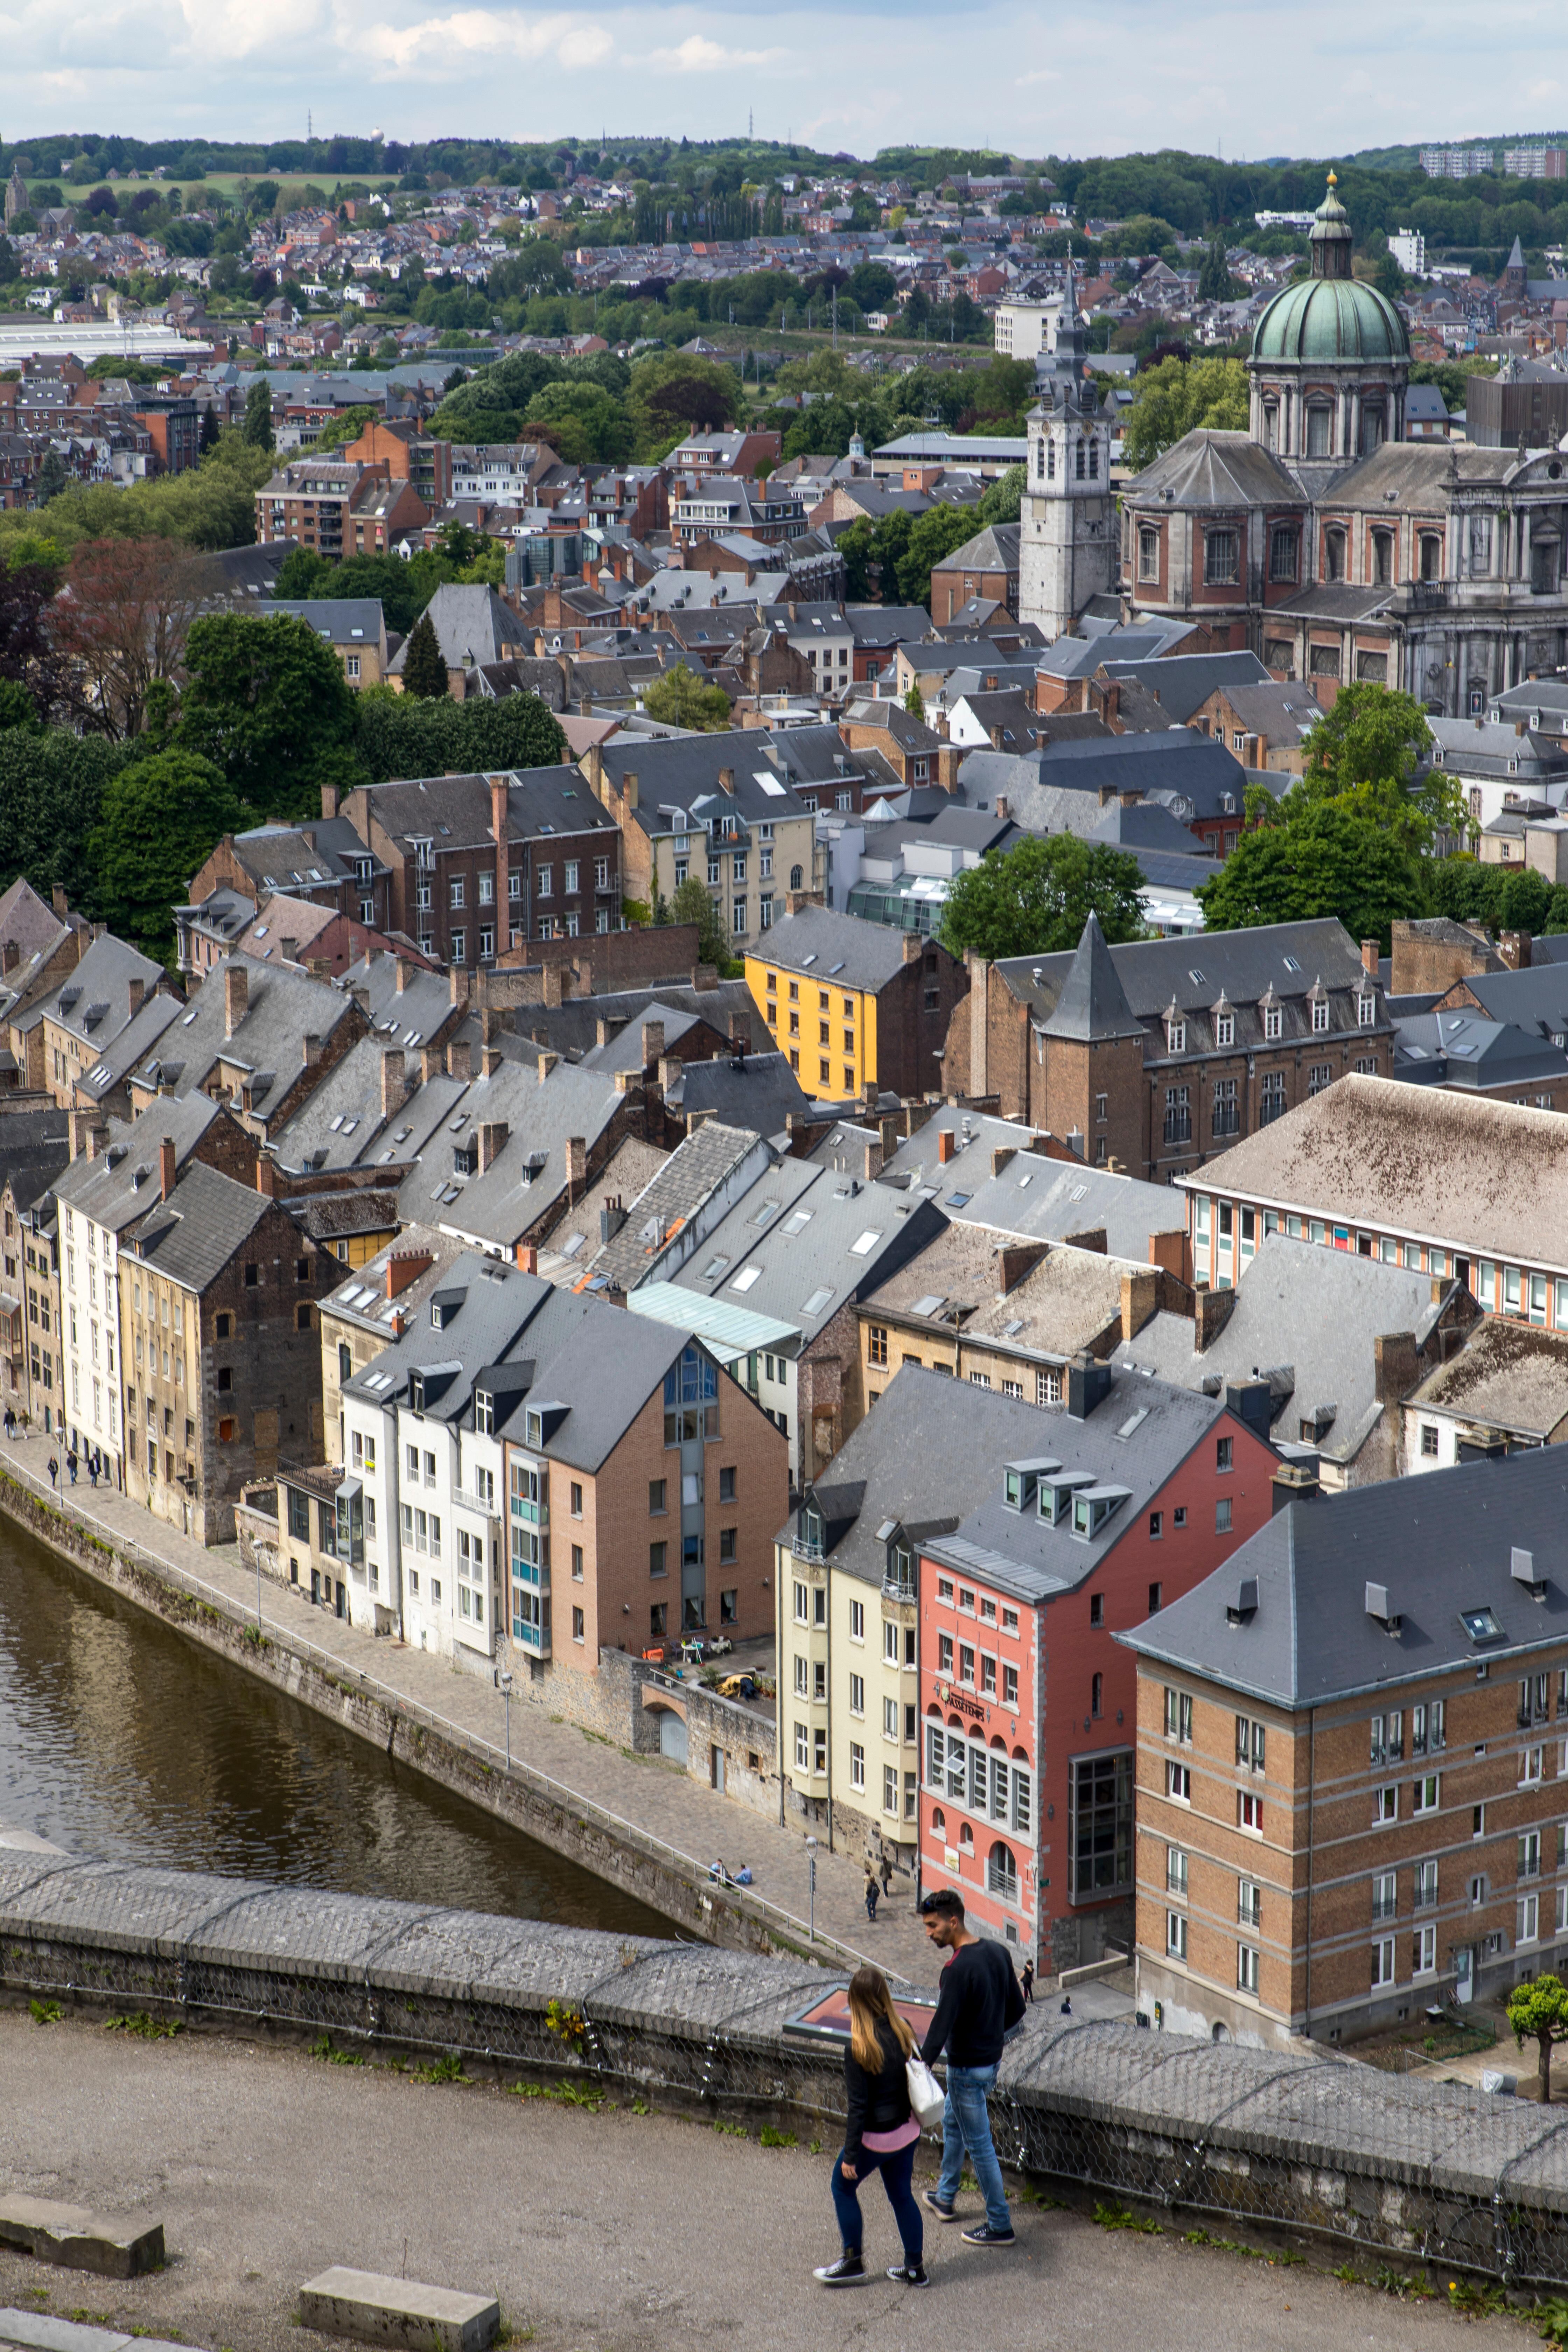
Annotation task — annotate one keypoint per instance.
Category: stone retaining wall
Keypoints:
(1312, 2143)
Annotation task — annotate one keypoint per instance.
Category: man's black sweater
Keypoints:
(979, 2000)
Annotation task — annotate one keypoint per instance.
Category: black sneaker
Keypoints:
(943, 2212)
(847, 2271)
(984, 2235)
(908, 2275)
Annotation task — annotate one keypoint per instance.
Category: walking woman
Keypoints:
(882, 2131)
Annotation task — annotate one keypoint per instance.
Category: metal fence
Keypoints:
(1310, 2143)
(354, 1682)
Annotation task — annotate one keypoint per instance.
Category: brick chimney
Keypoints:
(576, 1168)
(1001, 810)
(491, 1059)
(457, 985)
(554, 984)
(652, 1043)
(236, 996)
(167, 1166)
(872, 1168)
(727, 781)
(914, 947)
(528, 1257)
(546, 1062)
(1014, 1261)
(404, 1268)
(1396, 1365)
(498, 828)
(135, 990)
(493, 1135)
(1515, 948)
(1369, 953)
(1210, 1313)
(1139, 1297)
(312, 1047)
(60, 903)
(10, 956)
(946, 1147)
(459, 1060)
(403, 975)
(740, 1033)
(329, 800)
(392, 1084)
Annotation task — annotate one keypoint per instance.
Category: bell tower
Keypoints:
(1066, 538)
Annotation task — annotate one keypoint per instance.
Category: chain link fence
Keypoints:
(1304, 2142)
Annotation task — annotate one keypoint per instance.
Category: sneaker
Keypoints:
(984, 2235)
(908, 2275)
(847, 2271)
(943, 2212)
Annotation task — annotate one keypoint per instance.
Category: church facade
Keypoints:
(1325, 542)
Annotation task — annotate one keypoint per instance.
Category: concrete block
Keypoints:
(79, 2240)
(376, 2310)
(40, 2331)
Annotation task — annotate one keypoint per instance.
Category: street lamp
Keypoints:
(811, 1882)
(506, 1694)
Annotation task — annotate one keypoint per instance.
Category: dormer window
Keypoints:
(1091, 1506)
(1021, 1483)
(416, 1392)
(1225, 1028)
(1175, 1035)
(1320, 1015)
(534, 1428)
(1366, 1010)
(484, 1414)
(811, 1532)
(1273, 1023)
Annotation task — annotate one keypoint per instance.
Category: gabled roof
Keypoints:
(1438, 1545)
(1184, 682)
(834, 950)
(1288, 958)
(1091, 1005)
(994, 548)
(115, 1186)
(1209, 469)
(472, 626)
(205, 1221)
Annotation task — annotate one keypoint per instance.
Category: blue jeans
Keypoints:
(967, 2124)
(896, 2168)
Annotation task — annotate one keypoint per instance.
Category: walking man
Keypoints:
(872, 1892)
(54, 1470)
(886, 1874)
(1028, 1982)
(978, 2004)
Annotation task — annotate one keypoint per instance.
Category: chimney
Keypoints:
(10, 956)
(310, 1053)
(490, 1060)
(459, 1060)
(1172, 1252)
(166, 1166)
(1295, 1482)
(391, 1086)
(740, 1033)
(59, 902)
(329, 800)
(629, 787)
(652, 1043)
(671, 1066)
(612, 1217)
(492, 1143)
(872, 1167)
(135, 990)
(945, 1146)
(1369, 958)
(528, 1257)
(727, 781)
(429, 1064)
(1002, 807)
(1211, 1312)
(1252, 1402)
(914, 947)
(266, 1177)
(290, 950)
(236, 996)
(546, 1062)
(1139, 1297)
(1515, 948)
(1396, 1365)
(576, 1168)
(554, 984)
(402, 975)
(457, 985)
(1001, 1156)
(1014, 1261)
(1087, 1384)
(489, 1023)
(404, 1268)
(498, 828)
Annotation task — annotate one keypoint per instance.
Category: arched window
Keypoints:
(1333, 553)
(1320, 429)
(1081, 462)
(796, 878)
(1270, 425)
(966, 1837)
(1096, 1694)
(1381, 558)
(1002, 1872)
(1050, 461)
(938, 1818)
(1040, 460)
(1431, 556)
(1094, 461)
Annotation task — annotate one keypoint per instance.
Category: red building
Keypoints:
(1136, 1492)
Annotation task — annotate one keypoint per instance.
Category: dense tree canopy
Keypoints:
(159, 820)
(681, 699)
(1178, 396)
(1036, 898)
(264, 701)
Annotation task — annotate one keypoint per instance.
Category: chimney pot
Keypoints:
(236, 996)
(392, 1084)
(1369, 957)
(135, 987)
(166, 1167)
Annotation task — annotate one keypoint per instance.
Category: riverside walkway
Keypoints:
(652, 1796)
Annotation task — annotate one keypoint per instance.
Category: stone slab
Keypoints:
(40, 2331)
(78, 2240)
(375, 2310)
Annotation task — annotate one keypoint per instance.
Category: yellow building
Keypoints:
(854, 1004)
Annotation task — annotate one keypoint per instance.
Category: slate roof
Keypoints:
(1306, 1320)
(139, 1037)
(1091, 1005)
(1191, 973)
(761, 1092)
(834, 948)
(1184, 682)
(302, 856)
(714, 1165)
(994, 548)
(283, 1007)
(472, 626)
(1210, 468)
(1465, 1172)
(1535, 998)
(114, 1188)
(1508, 1376)
(529, 1175)
(1065, 1302)
(93, 1003)
(1465, 1049)
(1192, 771)
(456, 811)
(677, 779)
(341, 620)
(361, 1298)
(1036, 1197)
(1440, 1544)
(204, 1223)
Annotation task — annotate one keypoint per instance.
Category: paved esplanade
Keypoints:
(654, 1795)
(601, 2232)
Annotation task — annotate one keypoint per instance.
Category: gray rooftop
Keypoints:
(833, 949)
(1508, 1376)
(205, 1221)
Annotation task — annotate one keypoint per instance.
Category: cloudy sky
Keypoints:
(1211, 75)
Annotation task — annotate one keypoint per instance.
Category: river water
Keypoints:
(119, 1739)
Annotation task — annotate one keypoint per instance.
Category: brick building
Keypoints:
(985, 567)
(1349, 1762)
(1156, 1055)
(339, 506)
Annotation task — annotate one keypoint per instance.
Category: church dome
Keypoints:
(1329, 315)
(1334, 319)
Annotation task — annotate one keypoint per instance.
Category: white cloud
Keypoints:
(451, 43)
(697, 53)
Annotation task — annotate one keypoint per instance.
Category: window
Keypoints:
(1179, 1783)
(857, 1765)
(1428, 1728)
(1175, 1870)
(1247, 1968)
(1221, 558)
(1284, 551)
(577, 1624)
(1530, 1854)
(1385, 1806)
(1320, 1078)
(1428, 1442)
(1010, 1686)
(1248, 1811)
(1426, 1793)
(1249, 1903)
(857, 1694)
(1148, 551)
(1528, 1918)
(1271, 1102)
(1226, 1109)
(657, 1559)
(1178, 1716)
(1176, 1935)
(1101, 1826)
(877, 1344)
(1426, 1885)
(1382, 1962)
(1387, 1737)
(1250, 1744)
(1424, 1952)
(1222, 1516)
(1385, 1895)
(1047, 1388)
(1178, 1114)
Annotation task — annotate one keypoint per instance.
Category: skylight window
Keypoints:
(958, 1200)
(797, 1223)
(746, 1278)
(714, 1268)
(1480, 1625)
(816, 1302)
(865, 1245)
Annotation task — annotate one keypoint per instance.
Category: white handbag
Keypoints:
(927, 2097)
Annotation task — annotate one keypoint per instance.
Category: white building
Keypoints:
(1024, 329)
(1408, 247)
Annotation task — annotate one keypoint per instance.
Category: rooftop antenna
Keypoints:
(309, 124)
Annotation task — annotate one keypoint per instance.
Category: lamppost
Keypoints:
(811, 1882)
(506, 1694)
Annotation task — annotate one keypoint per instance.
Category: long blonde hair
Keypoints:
(870, 1999)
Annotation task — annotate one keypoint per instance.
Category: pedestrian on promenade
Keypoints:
(10, 1423)
(872, 1893)
(886, 1874)
(978, 2004)
(881, 2134)
(1027, 1986)
(71, 1463)
(92, 1469)
(744, 1875)
(54, 1470)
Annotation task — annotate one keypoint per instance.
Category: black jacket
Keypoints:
(978, 2003)
(877, 2102)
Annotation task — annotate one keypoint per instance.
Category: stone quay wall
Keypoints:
(1313, 2143)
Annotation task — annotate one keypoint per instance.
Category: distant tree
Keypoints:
(913, 702)
(1003, 500)
(1538, 2013)
(1213, 277)
(159, 820)
(680, 700)
(692, 904)
(939, 532)
(264, 701)
(52, 476)
(1368, 747)
(257, 429)
(1175, 398)
(424, 669)
(121, 622)
(1036, 898)
(1316, 857)
(18, 707)
(208, 436)
(402, 735)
